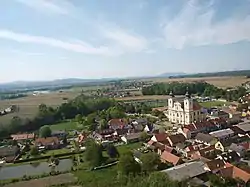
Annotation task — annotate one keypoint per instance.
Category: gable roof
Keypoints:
(161, 137)
(22, 136)
(245, 126)
(204, 137)
(221, 133)
(235, 172)
(196, 106)
(47, 141)
(186, 170)
(215, 164)
(169, 157)
(177, 138)
(118, 122)
(133, 136)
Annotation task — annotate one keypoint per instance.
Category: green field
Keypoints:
(67, 126)
(210, 104)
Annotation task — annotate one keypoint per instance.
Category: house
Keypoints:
(59, 133)
(244, 126)
(171, 158)
(208, 152)
(137, 127)
(230, 156)
(117, 123)
(160, 137)
(239, 149)
(101, 135)
(22, 137)
(140, 121)
(191, 130)
(175, 139)
(130, 138)
(205, 138)
(222, 134)
(121, 132)
(184, 110)
(187, 170)
(81, 138)
(234, 172)
(214, 165)
(48, 143)
(219, 114)
(9, 153)
(220, 146)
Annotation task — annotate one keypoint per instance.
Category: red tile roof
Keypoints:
(235, 172)
(118, 122)
(169, 157)
(190, 127)
(22, 136)
(177, 138)
(196, 106)
(215, 164)
(47, 141)
(161, 137)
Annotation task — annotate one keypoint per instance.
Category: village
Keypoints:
(199, 141)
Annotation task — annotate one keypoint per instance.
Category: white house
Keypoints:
(184, 110)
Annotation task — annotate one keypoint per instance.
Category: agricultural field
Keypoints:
(67, 126)
(28, 106)
(143, 97)
(47, 181)
(210, 104)
(221, 82)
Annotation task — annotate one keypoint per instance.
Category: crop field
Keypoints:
(47, 181)
(144, 97)
(28, 106)
(221, 82)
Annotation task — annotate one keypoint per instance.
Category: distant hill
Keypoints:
(174, 74)
(219, 74)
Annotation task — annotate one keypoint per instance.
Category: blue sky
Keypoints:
(52, 39)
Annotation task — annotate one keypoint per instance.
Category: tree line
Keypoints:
(85, 109)
(199, 88)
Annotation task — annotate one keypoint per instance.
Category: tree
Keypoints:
(144, 136)
(103, 124)
(34, 151)
(112, 151)
(150, 162)
(14, 143)
(127, 164)
(45, 131)
(79, 118)
(94, 154)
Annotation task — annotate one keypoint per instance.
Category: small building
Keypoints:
(130, 138)
(222, 134)
(9, 153)
(232, 171)
(48, 143)
(160, 137)
(22, 137)
(239, 149)
(230, 156)
(205, 138)
(214, 165)
(244, 126)
(184, 171)
(175, 139)
(117, 123)
(171, 158)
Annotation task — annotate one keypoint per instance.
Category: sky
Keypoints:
(91, 39)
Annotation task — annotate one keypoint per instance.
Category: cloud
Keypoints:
(194, 26)
(81, 46)
(62, 7)
(122, 39)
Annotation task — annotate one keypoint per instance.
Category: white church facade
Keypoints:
(184, 110)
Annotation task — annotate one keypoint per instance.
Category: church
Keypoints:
(184, 110)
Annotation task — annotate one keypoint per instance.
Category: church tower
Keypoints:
(188, 102)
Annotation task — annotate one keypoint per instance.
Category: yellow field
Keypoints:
(221, 82)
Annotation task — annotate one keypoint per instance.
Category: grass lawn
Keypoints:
(129, 147)
(98, 177)
(210, 104)
(67, 126)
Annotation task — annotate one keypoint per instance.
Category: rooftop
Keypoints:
(222, 133)
(187, 170)
(245, 126)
